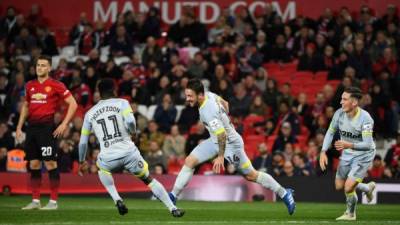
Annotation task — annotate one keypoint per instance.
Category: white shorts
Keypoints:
(234, 154)
(356, 168)
(129, 160)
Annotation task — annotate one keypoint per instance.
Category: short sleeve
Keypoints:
(61, 90)
(87, 126)
(367, 127)
(213, 121)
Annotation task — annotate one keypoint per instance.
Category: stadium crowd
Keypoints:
(260, 64)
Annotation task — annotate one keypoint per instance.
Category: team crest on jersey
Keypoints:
(47, 89)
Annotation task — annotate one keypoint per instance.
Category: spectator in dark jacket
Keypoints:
(285, 136)
(121, 44)
(165, 114)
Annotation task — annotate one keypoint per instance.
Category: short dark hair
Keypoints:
(44, 57)
(106, 88)
(354, 92)
(196, 86)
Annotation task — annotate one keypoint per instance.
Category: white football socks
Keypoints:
(269, 182)
(108, 182)
(159, 191)
(184, 176)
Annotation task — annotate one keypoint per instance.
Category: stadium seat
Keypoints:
(179, 109)
(150, 112)
(68, 51)
(120, 60)
(142, 109)
(54, 61)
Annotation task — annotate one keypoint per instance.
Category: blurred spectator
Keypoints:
(174, 144)
(286, 95)
(155, 156)
(46, 41)
(151, 25)
(379, 45)
(8, 25)
(360, 61)
(258, 107)
(189, 116)
(277, 164)
(240, 103)
(279, 52)
(288, 169)
(159, 169)
(141, 120)
(288, 151)
(65, 159)
(77, 29)
(300, 105)
(121, 44)
(270, 95)
(287, 115)
(285, 136)
(196, 137)
(263, 162)
(301, 168)
(196, 67)
(310, 61)
(6, 139)
(387, 62)
(152, 52)
(393, 153)
(377, 170)
(24, 42)
(165, 114)
(149, 135)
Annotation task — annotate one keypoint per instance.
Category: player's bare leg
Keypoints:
(269, 182)
(184, 176)
(54, 178)
(351, 200)
(36, 180)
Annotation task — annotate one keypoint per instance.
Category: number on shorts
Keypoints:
(46, 151)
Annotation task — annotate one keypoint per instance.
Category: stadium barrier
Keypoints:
(205, 188)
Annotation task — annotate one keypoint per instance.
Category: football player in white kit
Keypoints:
(224, 143)
(113, 123)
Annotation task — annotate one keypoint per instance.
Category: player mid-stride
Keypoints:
(112, 121)
(355, 127)
(224, 142)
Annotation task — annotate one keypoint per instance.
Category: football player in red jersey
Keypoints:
(41, 98)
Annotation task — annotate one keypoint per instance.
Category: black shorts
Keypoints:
(40, 143)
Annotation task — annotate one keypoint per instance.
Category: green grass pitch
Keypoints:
(79, 210)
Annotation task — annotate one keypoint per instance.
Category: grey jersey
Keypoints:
(112, 122)
(215, 118)
(357, 130)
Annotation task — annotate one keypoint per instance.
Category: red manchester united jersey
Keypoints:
(42, 99)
